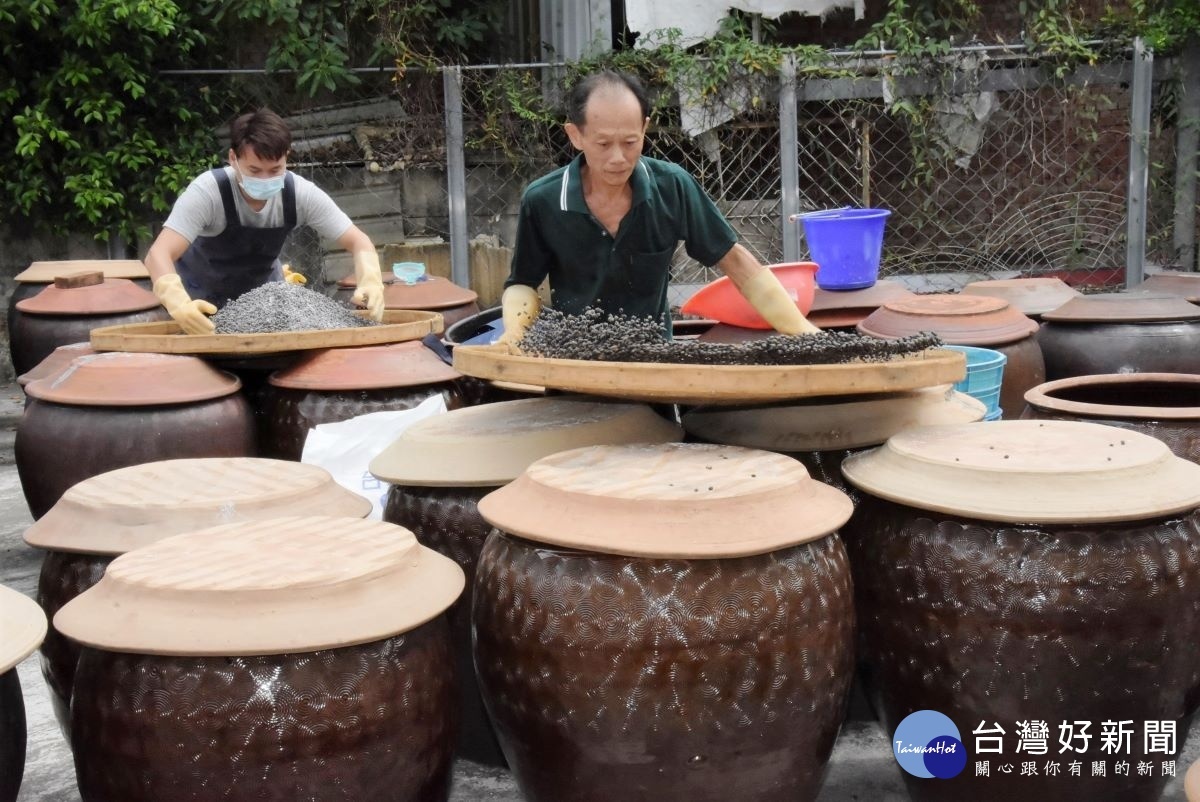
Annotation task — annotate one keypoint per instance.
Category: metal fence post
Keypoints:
(789, 153)
(456, 177)
(1139, 163)
(1186, 163)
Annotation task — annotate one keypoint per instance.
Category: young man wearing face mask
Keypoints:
(225, 232)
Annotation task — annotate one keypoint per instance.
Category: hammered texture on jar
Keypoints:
(101, 439)
(64, 576)
(447, 520)
(612, 677)
(1003, 623)
(368, 722)
(287, 415)
(12, 735)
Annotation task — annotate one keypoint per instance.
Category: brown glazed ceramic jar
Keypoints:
(665, 622)
(433, 294)
(107, 411)
(23, 626)
(1133, 332)
(105, 516)
(61, 315)
(440, 468)
(1032, 296)
(314, 663)
(1162, 405)
(970, 320)
(337, 384)
(33, 279)
(822, 432)
(1019, 571)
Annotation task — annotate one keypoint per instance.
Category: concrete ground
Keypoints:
(861, 768)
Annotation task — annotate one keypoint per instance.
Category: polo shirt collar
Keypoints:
(570, 197)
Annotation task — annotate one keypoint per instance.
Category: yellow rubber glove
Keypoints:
(292, 277)
(191, 315)
(370, 283)
(771, 300)
(519, 306)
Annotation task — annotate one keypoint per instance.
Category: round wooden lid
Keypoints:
(1033, 296)
(266, 587)
(128, 508)
(829, 424)
(879, 293)
(114, 296)
(45, 272)
(369, 367)
(55, 362)
(1124, 307)
(492, 444)
(433, 292)
(120, 379)
(676, 500)
(1029, 471)
(957, 319)
(23, 625)
(1174, 282)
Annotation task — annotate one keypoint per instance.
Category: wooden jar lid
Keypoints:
(267, 587)
(1124, 307)
(368, 367)
(1033, 296)
(492, 444)
(1174, 282)
(45, 272)
(55, 362)
(113, 296)
(120, 379)
(829, 424)
(23, 626)
(128, 508)
(673, 500)
(1029, 471)
(957, 319)
(881, 292)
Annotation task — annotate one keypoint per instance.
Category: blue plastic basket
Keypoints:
(847, 244)
(985, 373)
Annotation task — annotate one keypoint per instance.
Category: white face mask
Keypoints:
(259, 188)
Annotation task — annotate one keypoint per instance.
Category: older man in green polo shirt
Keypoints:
(604, 228)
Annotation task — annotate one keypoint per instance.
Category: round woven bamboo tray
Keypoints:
(398, 325)
(710, 384)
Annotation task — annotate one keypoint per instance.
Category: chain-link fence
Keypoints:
(991, 167)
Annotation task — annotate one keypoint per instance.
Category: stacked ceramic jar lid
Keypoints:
(432, 293)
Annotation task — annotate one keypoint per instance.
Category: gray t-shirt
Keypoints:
(198, 212)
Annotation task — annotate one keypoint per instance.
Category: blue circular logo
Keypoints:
(927, 744)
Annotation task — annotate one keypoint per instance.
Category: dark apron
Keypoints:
(221, 268)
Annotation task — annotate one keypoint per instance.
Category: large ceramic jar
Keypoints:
(432, 293)
(822, 432)
(1032, 296)
(1163, 405)
(107, 411)
(1121, 333)
(23, 626)
(294, 658)
(440, 467)
(66, 311)
(665, 622)
(33, 279)
(337, 384)
(107, 515)
(1028, 579)
(970, 320)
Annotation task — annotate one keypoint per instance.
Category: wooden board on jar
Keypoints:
(399, 325)
(711, 384)
(46, 272)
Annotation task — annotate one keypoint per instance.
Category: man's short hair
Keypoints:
(586, 87)
(264, 131)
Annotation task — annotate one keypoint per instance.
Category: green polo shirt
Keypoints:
(557, 236)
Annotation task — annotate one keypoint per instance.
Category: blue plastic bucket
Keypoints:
(985, 373)
(847, 244)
